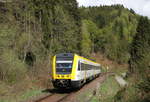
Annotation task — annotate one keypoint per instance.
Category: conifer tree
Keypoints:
(140, 50)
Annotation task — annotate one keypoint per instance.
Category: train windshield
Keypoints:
(64, 65)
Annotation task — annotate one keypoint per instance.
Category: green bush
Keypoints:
(11, 68)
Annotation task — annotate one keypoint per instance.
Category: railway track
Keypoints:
(53, 98)
(70, 96)
(59, 96)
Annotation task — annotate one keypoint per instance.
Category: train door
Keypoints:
(85, 72)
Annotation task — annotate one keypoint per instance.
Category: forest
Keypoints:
(32, 31)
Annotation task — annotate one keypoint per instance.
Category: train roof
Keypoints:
(65, 55)
(71, 55)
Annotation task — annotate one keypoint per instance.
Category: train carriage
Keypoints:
(72, 71)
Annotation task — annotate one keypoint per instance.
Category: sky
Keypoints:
(141, 7)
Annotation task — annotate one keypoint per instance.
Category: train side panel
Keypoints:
(85, 74)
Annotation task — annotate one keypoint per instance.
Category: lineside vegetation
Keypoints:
(31, 31)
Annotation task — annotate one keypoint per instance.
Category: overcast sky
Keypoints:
(139, 6)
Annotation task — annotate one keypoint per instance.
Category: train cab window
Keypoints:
(64, 65)
(79, 65)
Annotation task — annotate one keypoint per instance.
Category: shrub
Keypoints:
(11, 68)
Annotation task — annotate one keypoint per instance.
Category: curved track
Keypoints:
(70, 95)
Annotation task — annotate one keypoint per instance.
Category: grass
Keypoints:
(106, 93)
(83, 97)
(108, 90)
(22, 96)
(31, 93)
(131, 93)
(110, 87)
(22, 91)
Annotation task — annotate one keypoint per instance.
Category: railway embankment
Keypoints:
(103, 88)
(84, 94)
(106, 92)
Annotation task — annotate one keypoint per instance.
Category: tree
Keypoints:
(86, 41)
(140, 58)
(60, 22)
(132, 11)
(140, 49)
(92, 30)
(111, 30)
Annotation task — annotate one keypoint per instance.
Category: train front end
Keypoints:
(62, 70)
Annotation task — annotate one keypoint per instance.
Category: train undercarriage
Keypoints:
(67, 83)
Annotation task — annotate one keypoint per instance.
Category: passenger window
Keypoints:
(79, 65)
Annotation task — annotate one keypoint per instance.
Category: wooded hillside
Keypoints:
(111, 30)
(32, 31)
